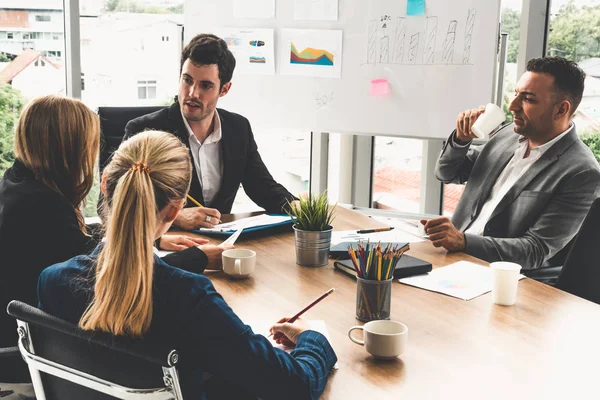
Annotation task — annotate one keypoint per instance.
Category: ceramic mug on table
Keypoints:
(238, 263)
(384, 339)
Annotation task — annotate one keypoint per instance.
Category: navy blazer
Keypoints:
(241, 162)
(190, 316)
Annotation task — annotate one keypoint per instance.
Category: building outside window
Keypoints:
(42, 18)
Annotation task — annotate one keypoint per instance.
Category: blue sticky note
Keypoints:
(415, 7)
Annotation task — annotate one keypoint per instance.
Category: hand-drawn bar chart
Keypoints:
(390, 41)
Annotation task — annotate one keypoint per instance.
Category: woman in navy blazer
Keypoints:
(124, 289)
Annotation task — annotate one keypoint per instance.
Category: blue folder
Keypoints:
(246, 230)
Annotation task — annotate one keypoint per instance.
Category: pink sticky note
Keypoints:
(380, 87)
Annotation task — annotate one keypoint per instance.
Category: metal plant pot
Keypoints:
(312, 247)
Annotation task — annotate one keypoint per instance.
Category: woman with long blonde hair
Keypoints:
(57, 141)
(129, 291)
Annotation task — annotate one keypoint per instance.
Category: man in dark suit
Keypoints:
(221, 143)
(526, 194)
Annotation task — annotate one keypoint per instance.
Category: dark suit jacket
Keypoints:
(540, 214)
(38, 228)
(189, 315)
(241, 162)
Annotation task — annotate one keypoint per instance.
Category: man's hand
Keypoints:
(464, 122)
(197, 217)
(442, 233)
(179, 242)
(213, 253)
(287, 334)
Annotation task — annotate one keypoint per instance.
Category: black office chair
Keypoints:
(66, 362)
(581, 273)
(112, 126)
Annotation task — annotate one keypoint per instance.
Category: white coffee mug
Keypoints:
(238, 263)
(383, 338)
(505, 281)
(488, 121)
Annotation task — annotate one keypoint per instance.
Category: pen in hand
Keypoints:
(197, 203)
(308, 307)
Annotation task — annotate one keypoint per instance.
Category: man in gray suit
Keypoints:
(527, 193)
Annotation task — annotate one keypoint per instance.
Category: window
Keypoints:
(146, 90)
(52, 53)
(130, 32)
(42, 18)
(32, 35)
(10, 35)
(397, 174)
(573, 33)
(56, 36)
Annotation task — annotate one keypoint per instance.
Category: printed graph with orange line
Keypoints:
(310, 56)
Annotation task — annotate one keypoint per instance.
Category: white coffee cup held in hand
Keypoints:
(238, 263)
(505, 281)
(488, 121)
(384, 339)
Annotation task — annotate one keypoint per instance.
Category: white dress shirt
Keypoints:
(515, 168)
(207, 159)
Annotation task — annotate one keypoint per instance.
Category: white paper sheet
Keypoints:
(394, 236)
(259, 9)
(464, 280)
(253, 49)
(316, 10)
(311, 52)
(231, 239)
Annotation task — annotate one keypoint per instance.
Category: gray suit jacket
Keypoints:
(540, 214)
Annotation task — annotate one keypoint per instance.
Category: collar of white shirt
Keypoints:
(213, 137)
(540, 150)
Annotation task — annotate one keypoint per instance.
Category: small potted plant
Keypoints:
(312, 217)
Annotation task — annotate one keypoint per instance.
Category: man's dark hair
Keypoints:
(568, 77)
(207, 49)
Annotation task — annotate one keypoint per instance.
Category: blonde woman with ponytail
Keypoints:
(129, 291)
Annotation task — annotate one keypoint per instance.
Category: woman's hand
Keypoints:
(213, 253)
(287, 334)
(179, 242)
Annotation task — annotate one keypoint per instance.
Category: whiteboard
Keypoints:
(437, 65)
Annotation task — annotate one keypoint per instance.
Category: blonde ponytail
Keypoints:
(147, 172)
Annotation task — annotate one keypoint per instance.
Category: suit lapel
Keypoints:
(226, 154)
(179, 130)
(549, 158)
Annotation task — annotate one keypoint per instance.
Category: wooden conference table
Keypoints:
(545, 346)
